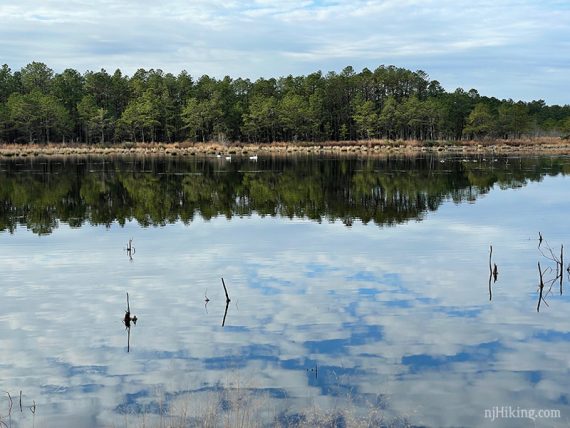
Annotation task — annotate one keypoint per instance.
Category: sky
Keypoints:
(517, 49)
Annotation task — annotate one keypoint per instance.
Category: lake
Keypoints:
(360, 290)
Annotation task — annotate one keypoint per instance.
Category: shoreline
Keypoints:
(543, 146)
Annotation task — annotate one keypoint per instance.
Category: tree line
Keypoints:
(39, 105)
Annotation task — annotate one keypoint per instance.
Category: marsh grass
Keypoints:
(239, 404)
(376, 147)
(18, 411)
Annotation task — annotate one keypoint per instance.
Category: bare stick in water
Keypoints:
(490, 272)
(225, 313)
(541, 287)
(10, 408)
(228, 300)
(130, 249)
(561, 267)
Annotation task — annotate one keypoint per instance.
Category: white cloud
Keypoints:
(456, 42)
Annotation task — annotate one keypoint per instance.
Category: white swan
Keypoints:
(253, 158)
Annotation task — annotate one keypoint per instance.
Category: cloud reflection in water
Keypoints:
(400, 313)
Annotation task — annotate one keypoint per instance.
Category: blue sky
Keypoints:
(516, 49)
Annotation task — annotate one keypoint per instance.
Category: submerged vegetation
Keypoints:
(234, 405)
(38, 105)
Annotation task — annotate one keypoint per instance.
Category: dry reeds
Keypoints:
(548, 145)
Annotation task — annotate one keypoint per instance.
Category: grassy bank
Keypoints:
(372, 147)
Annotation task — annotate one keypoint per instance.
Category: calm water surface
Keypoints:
(374, 272)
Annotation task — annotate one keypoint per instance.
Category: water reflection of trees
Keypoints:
(155, 191)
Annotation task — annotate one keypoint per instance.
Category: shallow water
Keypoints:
(361, 283)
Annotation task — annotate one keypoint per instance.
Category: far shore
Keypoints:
(538, 146)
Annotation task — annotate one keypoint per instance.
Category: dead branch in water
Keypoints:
(130, 249)
(228, 300)
(493, 271)
(225, 313)
(552, 257)
(11, 403)
(127, 321)
(549, 254)
(561, 267)
(541, 287)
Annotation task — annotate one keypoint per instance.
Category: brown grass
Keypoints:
(546, 145)
(238, 405)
